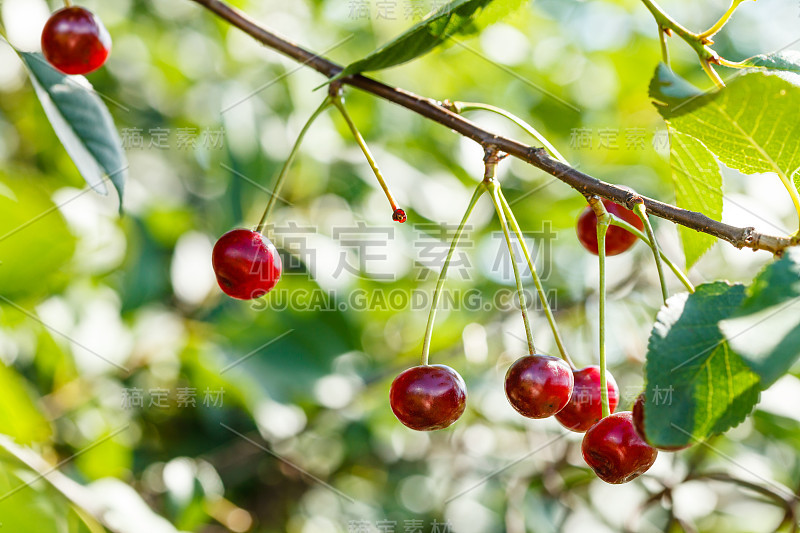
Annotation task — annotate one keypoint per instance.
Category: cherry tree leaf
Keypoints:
(711, 353)
(698, 187)
(29, 499)
(695, 173)
(82, 123)
(696, 384)
(783, 61)
(765, 331)
(456, 18)
(737, 125)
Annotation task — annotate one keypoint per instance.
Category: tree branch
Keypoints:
(538, 157)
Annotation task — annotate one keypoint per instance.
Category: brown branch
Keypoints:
(538, 157)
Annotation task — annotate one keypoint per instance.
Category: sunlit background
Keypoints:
(291, 430)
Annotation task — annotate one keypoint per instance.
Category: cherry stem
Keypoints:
(713, 30)
(603, 222)
(662, 37)
(793, 194)
(536, 280)
(494, 189)
(460, 107)
(276, 189)
(68, 3)
(437, 293)
(698, 43)
(640, 210)
(712, 73)
(338, 101)
(616, 221)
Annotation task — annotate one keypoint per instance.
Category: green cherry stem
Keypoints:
(603, 223)
(536, 280)
(338, 101)
(662, 38)
(494, 189)
(460, 107)
(706, 64)
(276, 189)
(602, 228)
(437, 293)
(699, 44)
(713, 30)
(616, 221)
(640, 210)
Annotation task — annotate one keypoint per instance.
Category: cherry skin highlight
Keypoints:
(74, 41)
(426, 398)
(585, 407)
(246, 263)
(539, 386)
(638, 425)
(614, 450)
(618, 240)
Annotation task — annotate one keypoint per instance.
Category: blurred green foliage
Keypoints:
(97, 308)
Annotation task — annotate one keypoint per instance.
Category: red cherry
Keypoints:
(585, 407)
(75, 41)
(538, 386)
(617, 239)
(614, 450)
(638, 425)
(246, 263)
(428, 397)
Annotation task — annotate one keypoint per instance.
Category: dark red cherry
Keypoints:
(428, 397)
(617, 239)
(614, 450)
(246, 263)
(585, 407)
(538, 386)
(75, 41)
(638, 425)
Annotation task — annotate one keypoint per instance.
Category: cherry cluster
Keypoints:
(431, 397)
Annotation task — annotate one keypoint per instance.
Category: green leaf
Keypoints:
(698, 187)
(19, 416)
(29, 509)
(736, 123)
(712, 352)
(696, 385)
(457, 17)
(765, 331)
(667, 87)
(785, 60)
(35, 243)
(82, 123)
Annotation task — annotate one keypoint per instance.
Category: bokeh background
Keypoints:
(111, 325)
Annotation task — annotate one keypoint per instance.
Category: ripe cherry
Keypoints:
(246, 263)
(614, 450)
(638, 424)
(75, 41)
(538, 386)
(585, 407)
(428, 397)
(617, 239)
